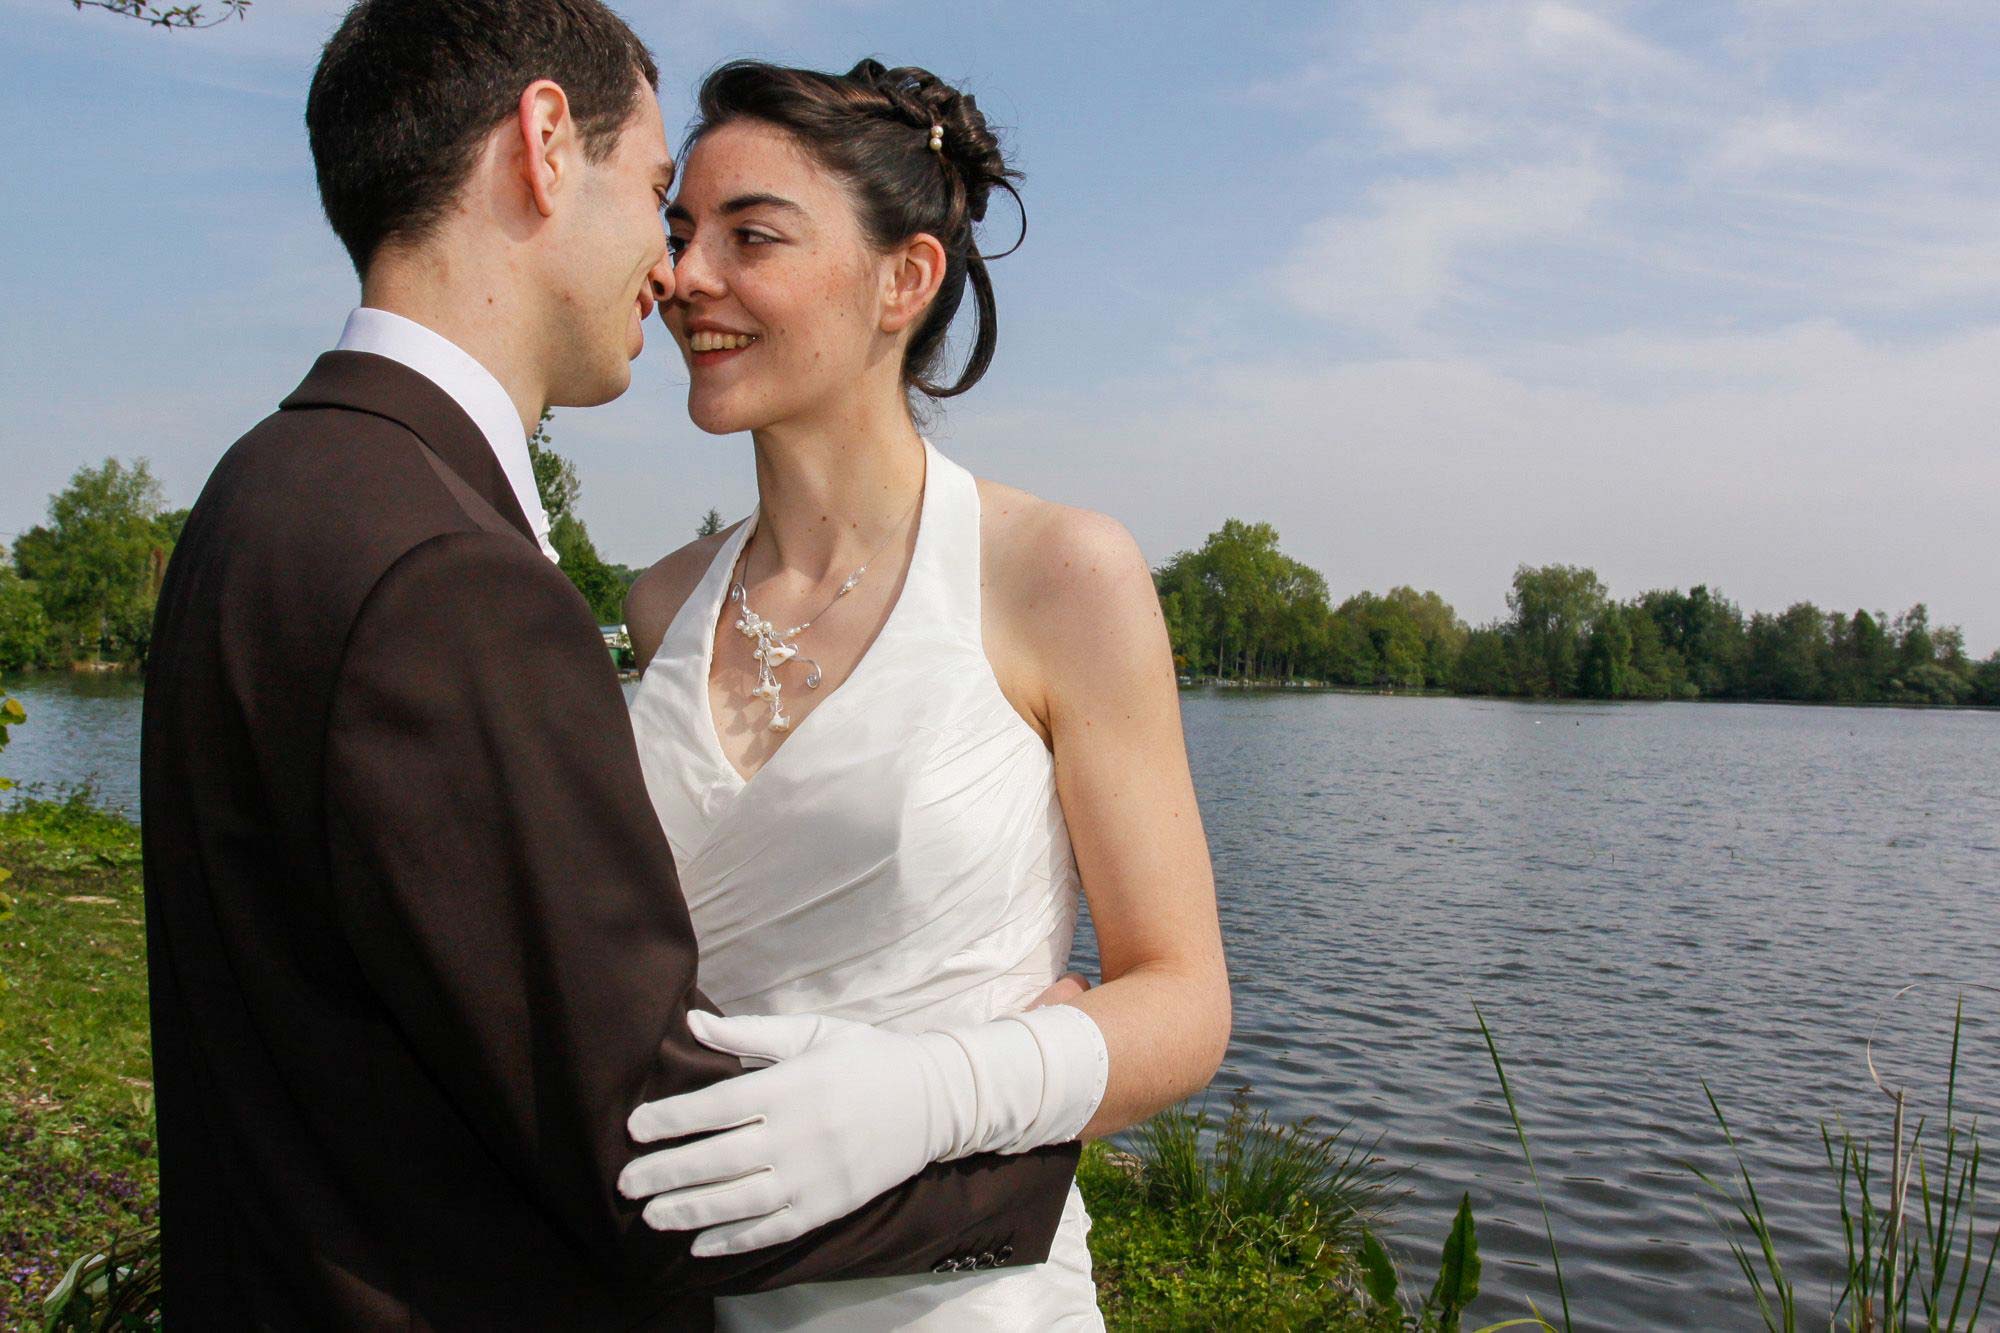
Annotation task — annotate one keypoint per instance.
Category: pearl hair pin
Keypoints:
(937, 138)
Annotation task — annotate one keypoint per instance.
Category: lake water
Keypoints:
(80, 728)
(1638, 897)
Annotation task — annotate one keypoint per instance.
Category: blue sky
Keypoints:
(1688, 293)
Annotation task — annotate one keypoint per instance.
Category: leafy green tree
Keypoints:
(711, 523)
(1986, 681)
(1914, 646)
(1935, 683)
(1438, 626)
(1395, 640)
(1348, 655)
(1553, 605)
(603, 585)
(1788, 653)
(1184, 606)
(1862, 657)
(1704, 630)
(25, 633)
(97, 563)
(1948, 647)
(1484, 664)
(1230, 608)
(1607, 656)
(1657, 671)
(1300, 619)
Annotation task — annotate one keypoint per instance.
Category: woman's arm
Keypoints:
(1095, 668)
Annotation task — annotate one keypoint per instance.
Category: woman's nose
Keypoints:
(692, 273)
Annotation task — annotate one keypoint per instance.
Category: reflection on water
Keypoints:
(1639, 897)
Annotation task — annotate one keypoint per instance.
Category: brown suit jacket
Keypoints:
(416, 941)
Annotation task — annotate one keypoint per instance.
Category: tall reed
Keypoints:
(1902, 1271)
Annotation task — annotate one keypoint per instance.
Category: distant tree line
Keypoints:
(1239, 609)
(83, 585)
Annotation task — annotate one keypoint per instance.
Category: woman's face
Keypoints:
(778, 296)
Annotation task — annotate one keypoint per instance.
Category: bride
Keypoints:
(896, 719)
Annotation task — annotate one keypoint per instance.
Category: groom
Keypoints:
(417, 946)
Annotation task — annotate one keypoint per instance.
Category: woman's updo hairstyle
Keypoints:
(872, 128)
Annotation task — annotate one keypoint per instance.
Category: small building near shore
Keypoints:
(618, 641)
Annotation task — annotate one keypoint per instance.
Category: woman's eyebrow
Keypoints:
(743, 202)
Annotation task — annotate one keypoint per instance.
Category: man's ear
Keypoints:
(916, 271)
(548, 142)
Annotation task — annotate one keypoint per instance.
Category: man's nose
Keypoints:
(660, 279)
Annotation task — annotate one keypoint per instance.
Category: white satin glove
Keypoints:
(848, 1111)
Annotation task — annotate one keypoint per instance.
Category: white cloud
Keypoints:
(1394, 262)
(1782, 136)
(1575, 34)
(1552, 162)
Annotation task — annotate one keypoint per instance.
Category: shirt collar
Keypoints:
(470, 385)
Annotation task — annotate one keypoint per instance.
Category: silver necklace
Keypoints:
(772, 648)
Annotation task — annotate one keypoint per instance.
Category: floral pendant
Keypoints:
(771, 652)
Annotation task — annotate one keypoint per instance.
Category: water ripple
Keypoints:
(1638, 898)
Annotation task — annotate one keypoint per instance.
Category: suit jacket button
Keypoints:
(945, 1266)
(986, 1260)
(1006, 1253)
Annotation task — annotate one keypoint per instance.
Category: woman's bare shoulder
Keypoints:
(657, 595)
(1063, 590)
(1037, 553)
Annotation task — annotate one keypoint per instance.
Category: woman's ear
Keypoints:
(915, 272)
(547, 141)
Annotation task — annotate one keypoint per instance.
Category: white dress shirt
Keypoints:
(471, 385)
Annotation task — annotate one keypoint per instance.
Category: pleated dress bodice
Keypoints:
(901, 859)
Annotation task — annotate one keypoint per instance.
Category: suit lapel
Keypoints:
(364, 382)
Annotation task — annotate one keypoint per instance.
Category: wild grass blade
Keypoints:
(1548, 1227)
(1750, 1273)
(1752, 1210)
(1971, 1232)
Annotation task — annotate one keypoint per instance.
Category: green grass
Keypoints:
(1201, 1266)
(76, 1115)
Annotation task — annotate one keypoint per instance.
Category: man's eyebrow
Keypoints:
(678, 213)
(665, 171)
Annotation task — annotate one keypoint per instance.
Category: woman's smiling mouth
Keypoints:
(708, 340)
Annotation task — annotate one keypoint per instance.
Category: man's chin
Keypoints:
(614, 382)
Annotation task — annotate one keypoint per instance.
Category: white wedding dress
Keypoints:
(900, 860)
